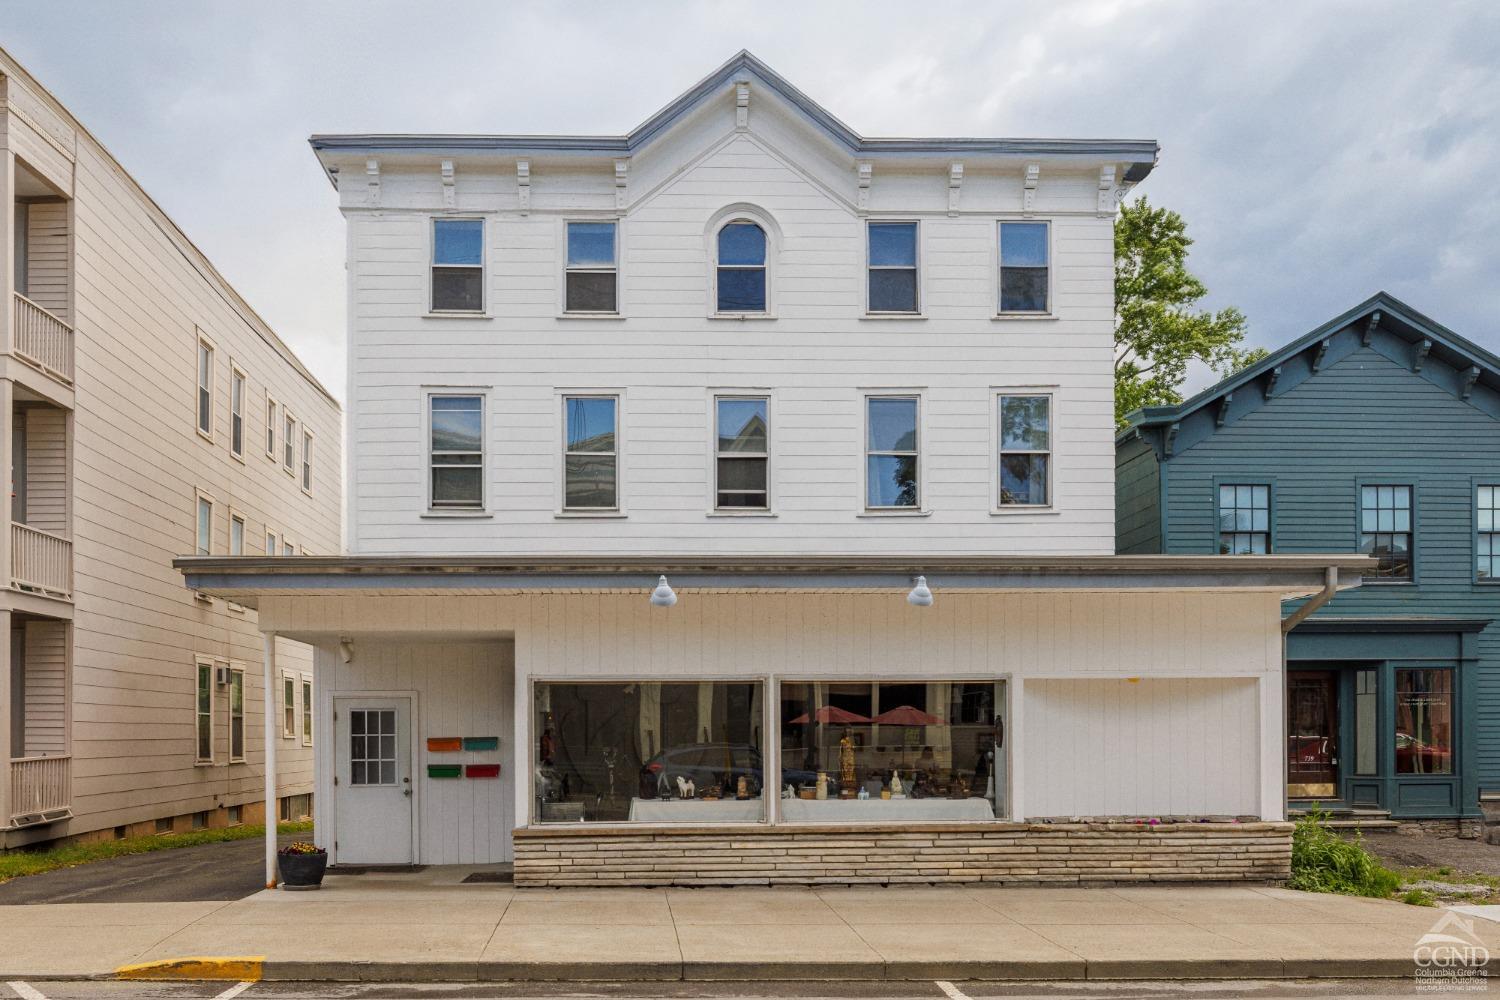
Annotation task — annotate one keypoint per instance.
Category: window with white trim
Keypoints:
(236, 715)
(289, 442)
(270, 427)
(1025, 266)
(1244, 519)
(892, 264)
(458, 265)
(236, 534)
(1487, 526)
(1385, 530)
(288, 707)
(591, 281)
(307, 710)
(203, 727)
(742, 452)
(236, 412)
(891, 452)
(307, 448)
(205, 388)
(740, 274)
(591, 469)
(271, 542)
(456, 451)
(1025, 450)
(205, 526)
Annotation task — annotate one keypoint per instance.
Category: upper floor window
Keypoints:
(236, 715)
(893, 267)
(289, 442)
(457, 265)
(270, 542)
(1385, 530)
(592, 277)
(741, 277)
(1244, 519)
(742, 452)
(205, 526)
(288, 706)
(456, 455)
(236, 412)
(205, 388)
(1025, 450)
(1487, 523)
(236, 534)
(307, 710)
(891, 448)
(591, 466)
(270, 428)
(307, 451)
(204, 712)
(1025, 259)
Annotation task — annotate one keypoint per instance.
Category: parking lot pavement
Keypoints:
(231, 870)
(1354, 989)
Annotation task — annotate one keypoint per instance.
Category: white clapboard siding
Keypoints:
(46, 711)
(139, 295)
(1147, 747)
(47, 256)
(667, 354)
(462, 689)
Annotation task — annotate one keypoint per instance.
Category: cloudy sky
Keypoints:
(1319, 151)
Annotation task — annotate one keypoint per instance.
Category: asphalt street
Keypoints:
(231, 870)
(1198, 990)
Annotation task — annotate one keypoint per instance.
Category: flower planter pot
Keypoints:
(302, 871)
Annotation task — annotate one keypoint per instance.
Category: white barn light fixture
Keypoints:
(664, 596)
(920, 596)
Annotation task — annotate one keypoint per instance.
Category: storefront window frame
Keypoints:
(769, 760)
(1005, 708)
(1455, 721)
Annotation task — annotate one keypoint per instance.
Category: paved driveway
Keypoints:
(231, 870)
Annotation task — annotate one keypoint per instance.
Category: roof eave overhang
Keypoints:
(248, 578)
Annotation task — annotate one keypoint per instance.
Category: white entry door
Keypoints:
(373, 781)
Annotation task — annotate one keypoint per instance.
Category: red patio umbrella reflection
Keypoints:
(830, 715)
(906, 715)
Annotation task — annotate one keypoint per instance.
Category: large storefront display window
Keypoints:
(1424, 721)
(648, 752)
(892, 751)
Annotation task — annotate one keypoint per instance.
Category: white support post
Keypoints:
(5, 735)
(268, 640)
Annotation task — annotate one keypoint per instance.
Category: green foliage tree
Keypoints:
(1158, 327)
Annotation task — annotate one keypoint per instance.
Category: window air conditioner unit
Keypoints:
(221, 676)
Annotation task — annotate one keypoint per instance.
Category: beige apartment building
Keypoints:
(151, 414)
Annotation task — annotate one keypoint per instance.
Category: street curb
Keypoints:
(238, 968)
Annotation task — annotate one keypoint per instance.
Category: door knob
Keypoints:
(406, 792)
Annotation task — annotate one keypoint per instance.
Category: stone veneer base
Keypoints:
(1014, 853)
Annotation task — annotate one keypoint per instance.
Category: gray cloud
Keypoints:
(1320, 151)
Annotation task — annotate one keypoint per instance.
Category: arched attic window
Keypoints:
(741, 267)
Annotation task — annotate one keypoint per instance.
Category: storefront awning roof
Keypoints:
(243, 579)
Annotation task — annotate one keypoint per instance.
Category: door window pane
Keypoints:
(1424, 721)
(867, 751)
(648, 752)
(1366, 712)
(372, 746)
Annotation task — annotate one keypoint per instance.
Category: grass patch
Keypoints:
(1418, 897)
(28, 861)
(1322, 861)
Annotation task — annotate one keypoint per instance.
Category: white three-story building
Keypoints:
(741, 479)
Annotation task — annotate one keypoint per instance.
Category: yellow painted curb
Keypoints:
(240, 968)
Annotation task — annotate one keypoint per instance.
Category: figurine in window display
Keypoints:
(898, 790)
(789, 792)
(864, 794)
(742, 788)
(548, 745)
(847, 779)
(822, 787)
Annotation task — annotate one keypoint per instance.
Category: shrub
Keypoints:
(1418, 897)
(1322, 861)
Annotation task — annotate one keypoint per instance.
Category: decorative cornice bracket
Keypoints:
(741, 105)
(866, 173)
(1323, 345)
(1028, 192)
(1272, 377)
(622, 174)
(1109, 195)
(449, 193)
(1223, 413)
(372, 181)
(1370, 328)
(1424, 347)
(523, 185)
(955, 184)
(1467, 380)
(1169, 440)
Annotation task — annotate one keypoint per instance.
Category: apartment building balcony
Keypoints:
(42, 340)
(38, 789)
(37, 322)
(41, 551)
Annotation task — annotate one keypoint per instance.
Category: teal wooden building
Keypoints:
(1378, 432)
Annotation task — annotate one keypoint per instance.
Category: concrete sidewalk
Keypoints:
(426, 927)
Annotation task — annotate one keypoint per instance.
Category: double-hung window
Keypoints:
(236, 715)
(592, 279)
(591, 458)
(236, 534)
(271, 543)
(307, 711)
(1025, 260)
(205, 388)
(203, 727)
(1385, 530)
(288, 707)
(307, 447)
(893, 267)
(457, 265)
(741, 272)
(204, 534)
(236, 413)
(891, 448)
(742, 436)
(1025, 450)
(456, 451)
(270, 428)
(288, 442)
(1487, 526)
(1244, 519)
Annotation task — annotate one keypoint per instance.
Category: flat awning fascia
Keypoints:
(244, 579)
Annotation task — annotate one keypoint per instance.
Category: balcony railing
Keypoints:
(40, 789)
(43, 340)
(41, 562)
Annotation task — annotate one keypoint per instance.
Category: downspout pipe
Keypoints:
(1322, 597)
